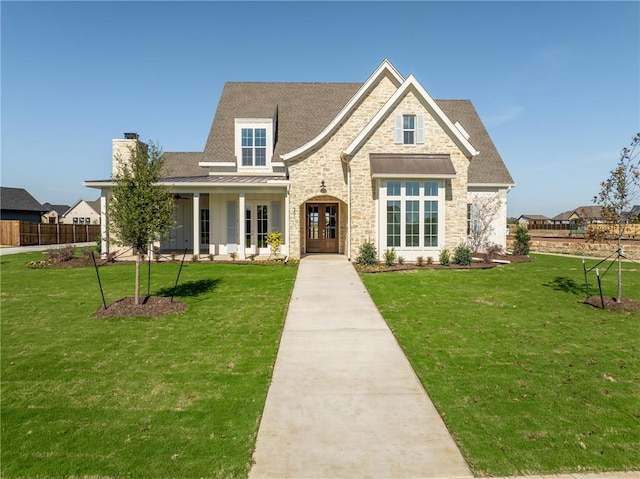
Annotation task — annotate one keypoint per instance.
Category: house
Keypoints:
(332, 166)
(533, 221)
(82, 212)
(53, 213)
(18, 204)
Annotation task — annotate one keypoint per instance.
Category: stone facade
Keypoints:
(325, 164)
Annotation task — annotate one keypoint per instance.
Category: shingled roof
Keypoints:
(302, 111)
(19, 199)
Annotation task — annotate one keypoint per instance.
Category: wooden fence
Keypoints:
(20, 233)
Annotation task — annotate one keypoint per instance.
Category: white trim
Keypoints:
(254, 123)
(385, 67)
(222, 164)
(491, 185)
(427, 176)
(432, 106)
(462, 130)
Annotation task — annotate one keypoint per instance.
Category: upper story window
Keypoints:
(253, 143)
(409, 129)
(254, 146)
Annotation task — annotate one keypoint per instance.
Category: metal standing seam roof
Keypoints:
(225, 179)
(411, 165)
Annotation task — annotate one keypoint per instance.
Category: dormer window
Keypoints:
(254, 143)
(254, 147)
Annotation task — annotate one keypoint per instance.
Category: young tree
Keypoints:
(617, 195)
(484, 211)
(140, 211)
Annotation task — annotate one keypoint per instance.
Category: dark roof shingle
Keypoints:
(18, 199)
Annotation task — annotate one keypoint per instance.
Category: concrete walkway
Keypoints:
(344, 401)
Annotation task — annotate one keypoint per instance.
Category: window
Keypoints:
(409, 129)
(254, 142)
(412, 216)
(254, 147)
(204, 226)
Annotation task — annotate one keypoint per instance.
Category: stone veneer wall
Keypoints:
(325, 164)
(382, 141)
(580, 247)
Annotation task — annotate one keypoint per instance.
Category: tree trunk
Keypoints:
(137, 294)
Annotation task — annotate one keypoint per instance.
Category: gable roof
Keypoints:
(412, 85)
(60, 209)
(302, 110)
(306, 113)
(18, 199)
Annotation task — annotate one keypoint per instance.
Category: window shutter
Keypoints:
(276, 225)
(398, 131)
(420, 129)
(232, 234)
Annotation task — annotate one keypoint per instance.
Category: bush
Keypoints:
(367, 254)
(522, 242)
(462, 255)
(390, 257)
(401, 260)
(445, 257)
(60, 255)
(429, 259)
(492, 251)
(420, 261)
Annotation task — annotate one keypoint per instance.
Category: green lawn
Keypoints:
(178, 396)
(527, 378)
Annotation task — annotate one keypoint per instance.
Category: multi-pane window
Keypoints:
(254, 146)
(262, 229)
(204, 226)
(409, 129)
(412, 213)
(393, 222)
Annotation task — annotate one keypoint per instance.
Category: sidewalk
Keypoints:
(344, 401)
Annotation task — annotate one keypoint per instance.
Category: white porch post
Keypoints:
(212, 246)
(287, 241)
(196, 223)
(104, 243)
(241, 226)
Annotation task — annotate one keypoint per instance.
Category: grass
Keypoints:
(527, 379)
(177, 396)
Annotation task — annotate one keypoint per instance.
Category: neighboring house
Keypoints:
(53, 213)
(82, 213)
(332, 166)
(633, 216)
(534, 220)
(18, 204)
(562, 219)
(587, 214)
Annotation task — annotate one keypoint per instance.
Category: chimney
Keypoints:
(121, 151)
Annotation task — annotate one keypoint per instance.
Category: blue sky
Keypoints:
(557, 84)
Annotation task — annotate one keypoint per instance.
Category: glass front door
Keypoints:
(322, 227)
(256, 219)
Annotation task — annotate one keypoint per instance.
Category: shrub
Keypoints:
(462, 255)
(420, 261)
(211, 256)
(522, 241)
(492, 251)
(66, 253)
(400, 260)
(275, 240)
(367, 254)
(445, 257)
(429, 259)
(390, 257)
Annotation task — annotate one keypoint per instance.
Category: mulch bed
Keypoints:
(382, 268)
(610, 304)
(151, 306)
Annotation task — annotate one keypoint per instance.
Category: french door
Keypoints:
(322, 227)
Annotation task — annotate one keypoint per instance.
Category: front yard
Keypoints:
(528, 379)
(176, 396)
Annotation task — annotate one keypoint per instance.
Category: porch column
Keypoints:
(212, 246)
(196, 223)
(104, 243)
(241, 227)
(287, 231)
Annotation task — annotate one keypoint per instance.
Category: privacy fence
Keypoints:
(20, 233)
